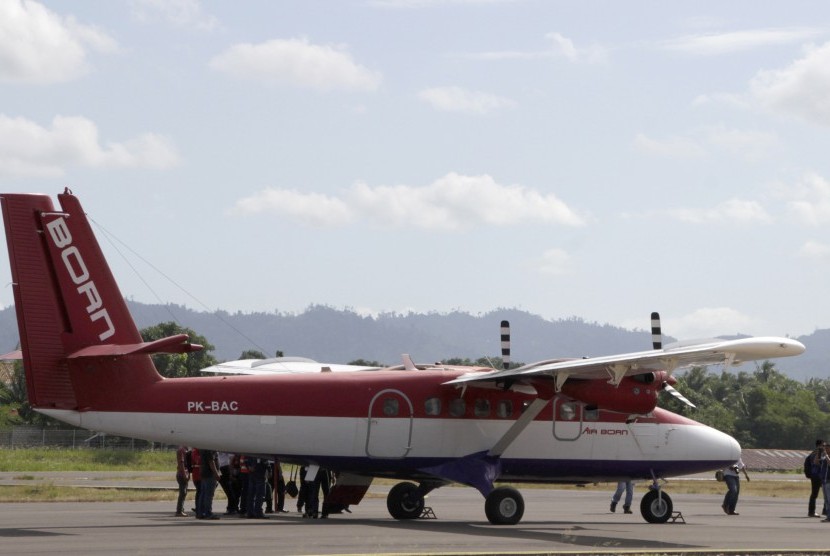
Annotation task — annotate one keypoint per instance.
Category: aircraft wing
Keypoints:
(280, 365)
(669, 358)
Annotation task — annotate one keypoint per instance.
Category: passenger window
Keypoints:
(567, 411)
(590, 414)
(504, 409)
(482, 408)
(458, 407)
(432, 406)
(390, 407)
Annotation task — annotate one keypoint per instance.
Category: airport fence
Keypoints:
(36, 437)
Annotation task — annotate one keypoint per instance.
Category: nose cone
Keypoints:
(696, 448)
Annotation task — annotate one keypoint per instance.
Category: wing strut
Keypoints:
(535, 407)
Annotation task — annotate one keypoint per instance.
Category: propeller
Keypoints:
(656, 333)
(657, 343)
(505, 344)
(674, 392)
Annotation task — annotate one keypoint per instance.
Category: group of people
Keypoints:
(731, 477)
(247, 482)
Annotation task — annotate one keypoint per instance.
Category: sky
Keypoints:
(598, 160)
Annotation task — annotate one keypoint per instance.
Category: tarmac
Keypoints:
(555, 522)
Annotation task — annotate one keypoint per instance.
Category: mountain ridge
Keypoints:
(341, 335)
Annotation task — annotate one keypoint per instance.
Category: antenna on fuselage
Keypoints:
(505, 344)
(656, 333)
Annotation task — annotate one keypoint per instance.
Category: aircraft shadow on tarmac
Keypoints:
(566, 533)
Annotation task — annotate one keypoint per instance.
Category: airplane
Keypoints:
(567, 421)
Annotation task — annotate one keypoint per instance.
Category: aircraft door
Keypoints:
(567, 419)
(389, 427)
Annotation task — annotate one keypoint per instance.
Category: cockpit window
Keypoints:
(482, 408)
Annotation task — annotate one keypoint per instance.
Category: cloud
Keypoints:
(560, 47)
(181, 13)
(555, 262)
(30, 150)
(39, 46)
(801, 89)
(809, 200)
(298, 63)
(412, 4)
(673, 147)
(456, 99)
(748, 144)
(737, 41)
(453, 202)
(709, 322)
(815, 251)
(733, 211)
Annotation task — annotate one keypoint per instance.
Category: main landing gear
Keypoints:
(503, 506)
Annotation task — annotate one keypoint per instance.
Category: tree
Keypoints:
(252, 354)
(15, 401)
(179, 364)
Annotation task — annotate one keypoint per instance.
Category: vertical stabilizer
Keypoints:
(66, 298)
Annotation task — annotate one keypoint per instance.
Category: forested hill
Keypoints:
(340, 336)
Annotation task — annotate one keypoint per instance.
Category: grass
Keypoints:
(60, 460)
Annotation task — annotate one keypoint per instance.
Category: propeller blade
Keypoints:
(505, 344)
(656, 333)
(674, 392)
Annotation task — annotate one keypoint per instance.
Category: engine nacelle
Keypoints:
(635, 394)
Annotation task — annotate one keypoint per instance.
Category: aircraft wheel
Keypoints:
(656, 507)
(403, 502)
(504, 506)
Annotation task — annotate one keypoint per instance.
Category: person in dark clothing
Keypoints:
(226, 482)
(814, 465)
(320, 480)
(279, 487)
(256, 489)
(210, 475)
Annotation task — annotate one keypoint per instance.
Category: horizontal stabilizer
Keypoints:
(171, 344)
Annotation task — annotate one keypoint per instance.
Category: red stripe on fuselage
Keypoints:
(109, 388)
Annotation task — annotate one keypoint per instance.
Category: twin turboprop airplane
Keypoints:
(558, 421)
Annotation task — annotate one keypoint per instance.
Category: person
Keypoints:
(279, 486)
(812, 469)
(182, 478)
(733, 485)
(210, 474)
(628, 487)
(226, 482)
(256, 489)
(313, 485)
(824, 473)
(303, 493)
(196, 475)
(245, 465)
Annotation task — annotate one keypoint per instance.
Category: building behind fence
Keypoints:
(36, 437)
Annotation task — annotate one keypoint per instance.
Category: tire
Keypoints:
(504, 506)
(656, 507)
(403, 502)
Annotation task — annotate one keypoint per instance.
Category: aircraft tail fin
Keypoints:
(71, 315)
